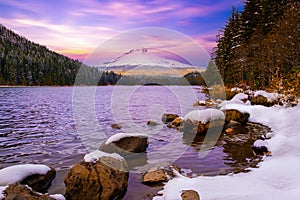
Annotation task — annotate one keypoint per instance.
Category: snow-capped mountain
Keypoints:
(142, 62)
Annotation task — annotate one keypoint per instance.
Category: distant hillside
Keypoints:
(23, 62)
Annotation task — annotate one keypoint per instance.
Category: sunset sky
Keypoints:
(76, 27)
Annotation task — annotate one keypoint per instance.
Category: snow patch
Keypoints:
(120, 136)
(204, 116)
(17, 173)
(96, 155)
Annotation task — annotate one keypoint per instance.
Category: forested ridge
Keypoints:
(260, 45)
(23, 62)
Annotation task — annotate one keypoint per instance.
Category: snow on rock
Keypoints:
(239, 98)
(17, 173)
(260, 143)
(94, 156)
(57, 196)
(276, 178)
(204, 116)
(2, 189)
(270, 96)
(119, 136)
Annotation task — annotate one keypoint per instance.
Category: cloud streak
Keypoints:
(75, 27)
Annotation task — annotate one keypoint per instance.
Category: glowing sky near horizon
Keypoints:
(75, 27)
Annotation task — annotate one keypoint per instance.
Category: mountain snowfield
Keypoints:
(142, 62)
(276, 178)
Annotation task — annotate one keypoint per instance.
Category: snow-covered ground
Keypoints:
(277, 176)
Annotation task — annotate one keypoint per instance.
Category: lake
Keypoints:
(52, 126)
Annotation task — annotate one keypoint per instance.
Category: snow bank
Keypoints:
(17, 173)
(96, 155)
(119, 136)
(276, 178)
(2, 189)
(204, 116)
(269, 96)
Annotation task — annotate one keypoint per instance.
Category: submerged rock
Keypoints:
(152, 123)
(106, 178)
(190, 195)
(22, 192)
(166, 118)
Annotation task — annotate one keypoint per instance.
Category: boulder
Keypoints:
(190, 195)
(236, 115)
(40, 182)
(154, 176)
(166, 118)
(22, 192)
(107, 178)
(125, 144)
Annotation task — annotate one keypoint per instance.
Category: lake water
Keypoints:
(52, 126)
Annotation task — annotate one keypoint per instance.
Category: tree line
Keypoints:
(261, 45)
(23, 62)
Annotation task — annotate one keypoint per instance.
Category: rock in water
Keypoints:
(235, 115)
(125, 144)
(177, 121)
(234, 127)
(116, 126)
(166, 118)
(154, 176)
(190, 195)
(40, 182)
(107, 178)
(22, 192)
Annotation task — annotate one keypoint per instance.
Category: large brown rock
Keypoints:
(22, 192)
(166, 118)
(106, 178)
(236, 115)
(155, 176)
(190, 195)
(40, 182)
(127, 145)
